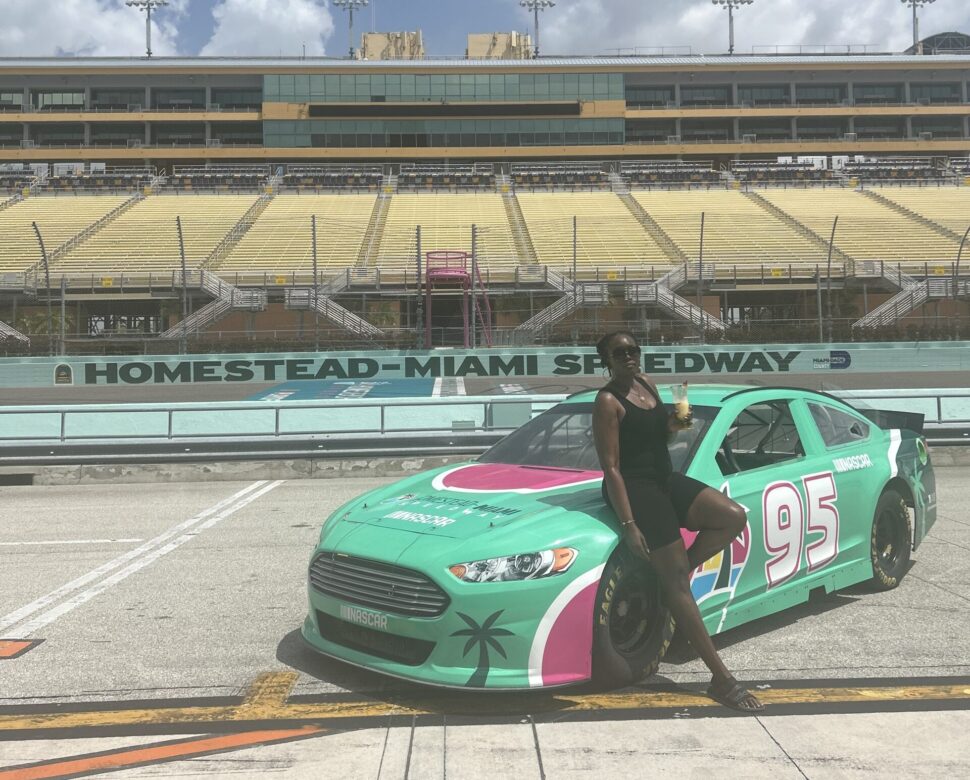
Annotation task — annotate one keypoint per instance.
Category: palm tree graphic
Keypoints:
(484, 636)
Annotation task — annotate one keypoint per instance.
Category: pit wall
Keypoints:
(729, 362)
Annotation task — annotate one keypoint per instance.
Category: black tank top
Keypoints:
(643, 438)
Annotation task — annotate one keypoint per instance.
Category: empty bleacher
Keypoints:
(243, 177)
(333, 177)
(901, 170)
(110, 179)
(280, 240)
(559, 176)
(666, 173)
(762, 172)
(58, 219)
(609, 237)
(446, 220)
(144, 238)
(737, 231)
(947, 206)
(867, 230)
(416, 177)
(12, 182)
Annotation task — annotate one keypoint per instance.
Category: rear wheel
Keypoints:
(632, 626)
(891, 542)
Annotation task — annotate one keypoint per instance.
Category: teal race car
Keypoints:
(509, 571)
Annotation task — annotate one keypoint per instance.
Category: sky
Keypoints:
(572, 27)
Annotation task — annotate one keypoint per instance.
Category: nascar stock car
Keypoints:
(509, 571)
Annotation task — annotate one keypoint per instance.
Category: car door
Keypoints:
(764, 449)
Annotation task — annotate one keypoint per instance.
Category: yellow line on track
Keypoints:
(266, 702)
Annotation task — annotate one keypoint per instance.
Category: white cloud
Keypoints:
(268, 27)
(91, 28)
(598, 26)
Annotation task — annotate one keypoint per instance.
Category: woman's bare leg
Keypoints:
(672, 567)
(717, 519)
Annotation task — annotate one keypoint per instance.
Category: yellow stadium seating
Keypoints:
(446, 220)
(609, 237)
(867, 229)
(280, 239)
(145, 239)
(58, 218)
(737, 231)
(946, 206)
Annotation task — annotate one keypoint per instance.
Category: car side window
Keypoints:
(762, 435)
(838, 427)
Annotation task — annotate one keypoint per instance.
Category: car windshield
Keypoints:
(563, 438)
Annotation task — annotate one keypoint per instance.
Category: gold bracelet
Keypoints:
(629, 522)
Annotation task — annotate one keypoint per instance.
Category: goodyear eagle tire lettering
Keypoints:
(632, 627)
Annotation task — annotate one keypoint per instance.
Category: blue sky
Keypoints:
(272, 27)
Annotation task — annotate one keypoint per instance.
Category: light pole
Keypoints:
(47, 282)
(350, 6)
(731, 5)
(535, 6)
(147, 6)
(916, 4)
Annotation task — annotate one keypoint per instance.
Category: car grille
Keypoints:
(377, 585)
(391, 647)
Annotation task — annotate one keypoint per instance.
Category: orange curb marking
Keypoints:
(12, 648)
(127, 758)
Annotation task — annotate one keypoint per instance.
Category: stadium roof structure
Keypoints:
(303, 63)
(942, 43)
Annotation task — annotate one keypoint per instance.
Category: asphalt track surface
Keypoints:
(203, 392)
(159, 637)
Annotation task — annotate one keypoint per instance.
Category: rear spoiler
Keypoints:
(884, 418)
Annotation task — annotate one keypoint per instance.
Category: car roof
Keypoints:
(715, 394)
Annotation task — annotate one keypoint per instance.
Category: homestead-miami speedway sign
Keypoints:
(724, 361)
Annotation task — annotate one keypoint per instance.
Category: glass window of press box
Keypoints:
(437, 133)
(124, 99)
(820, 94)
(644, 96)
(865, 94)
(763, 95)
(11, 101)
(178, 99)
(237, 98)
(939, 126)
(437, 87)
(58, 100)
(936, 93)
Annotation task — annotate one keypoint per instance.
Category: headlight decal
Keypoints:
(513, 568)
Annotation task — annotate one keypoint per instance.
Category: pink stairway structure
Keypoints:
(450, 268)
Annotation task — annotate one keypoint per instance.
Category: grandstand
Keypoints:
(247, 150)
(281, 240)
(737, 231)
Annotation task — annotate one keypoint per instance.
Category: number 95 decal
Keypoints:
(787, 523)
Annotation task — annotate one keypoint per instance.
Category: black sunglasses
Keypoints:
(621, 352)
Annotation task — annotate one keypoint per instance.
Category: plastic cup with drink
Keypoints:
(681, 404)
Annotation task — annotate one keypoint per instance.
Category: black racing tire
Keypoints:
(891, 540)
(632, 626)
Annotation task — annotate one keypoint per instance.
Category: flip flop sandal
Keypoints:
(734, 698)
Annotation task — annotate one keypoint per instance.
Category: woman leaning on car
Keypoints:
(631, 428)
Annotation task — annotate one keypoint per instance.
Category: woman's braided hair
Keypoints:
(603, 346)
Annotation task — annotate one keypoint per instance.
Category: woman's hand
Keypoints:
(676, 424)
(635, 541)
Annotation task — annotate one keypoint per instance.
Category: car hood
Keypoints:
(464, 501)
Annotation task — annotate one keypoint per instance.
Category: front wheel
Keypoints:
(891, 541)
(632, 626)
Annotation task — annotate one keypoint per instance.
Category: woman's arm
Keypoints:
(606, 435)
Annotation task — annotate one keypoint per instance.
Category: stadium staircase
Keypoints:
(520, 231)
(227, 299)
(674, 252)
(11, 201)
(580, 295)
(9, 332)
(235, 234)
(374, 232)
(321, 300)
(912, 293)
(910, 214)
(788, 219)
(618, 184)
(89, 231)
(662, 293)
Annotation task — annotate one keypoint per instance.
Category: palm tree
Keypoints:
(483, 635)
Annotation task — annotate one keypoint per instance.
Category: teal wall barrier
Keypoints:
(722, 360)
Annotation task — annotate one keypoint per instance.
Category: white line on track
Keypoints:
(69, 541)
(436, 390)
(43, 602)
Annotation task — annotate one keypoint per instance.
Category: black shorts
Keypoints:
(660, 509)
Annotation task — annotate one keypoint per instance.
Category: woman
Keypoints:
(631, 428)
